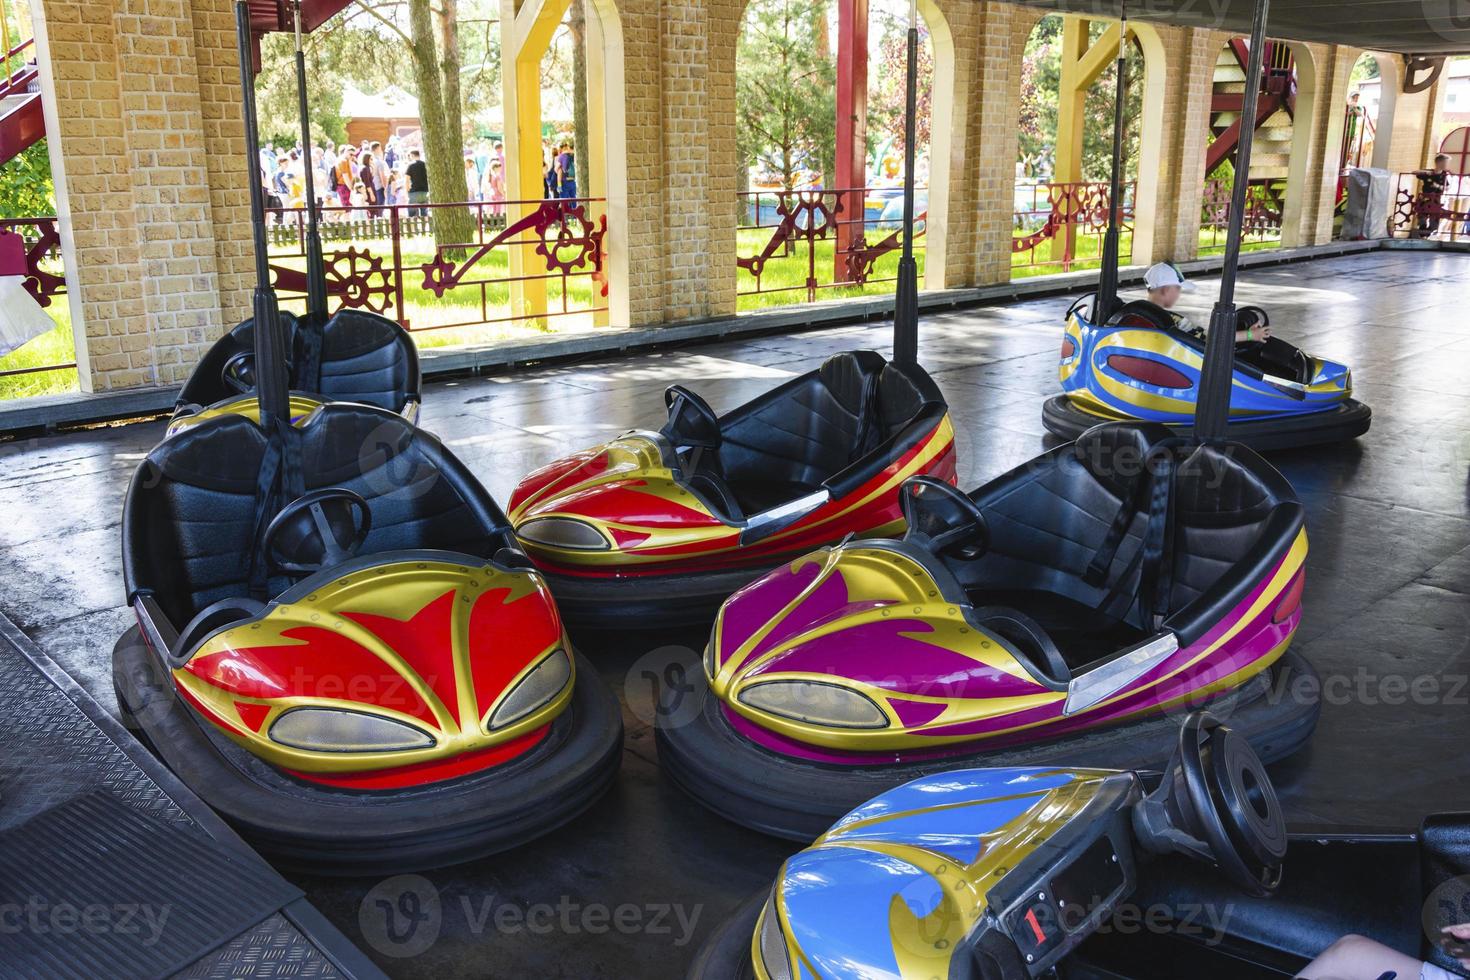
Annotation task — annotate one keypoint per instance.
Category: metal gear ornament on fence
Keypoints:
(820, 217)
(575, 244)
(42, 285)
(357, 276)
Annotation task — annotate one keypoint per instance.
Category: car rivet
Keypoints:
(311, 598)
(918, 609)
(316, 617)
(985, 644)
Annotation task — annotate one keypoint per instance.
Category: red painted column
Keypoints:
(852, 124)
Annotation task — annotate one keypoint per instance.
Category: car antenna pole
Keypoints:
(1107, 283)
(272, 381)
(316, 278)
(906, 302)
(1212, 410)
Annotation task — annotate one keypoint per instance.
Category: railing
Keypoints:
(399, 272)
(45, 281)
(1261, 226)
(16, 54)
(1441, 216)
(794, 245)
(1059, 227)
(1359, 135)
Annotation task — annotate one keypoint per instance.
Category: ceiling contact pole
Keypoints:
(1107, 282)
(316, 276)
(1212, 410)
(272, 380)
(906, 301)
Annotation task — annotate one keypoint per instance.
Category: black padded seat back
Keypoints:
(189, 522)
(906, 394)
(206, 384)
(421, 497)
(365, 358)
(1050, 518)
(1116, 454)
(189, 518)
(801, 433)
(1224, 495)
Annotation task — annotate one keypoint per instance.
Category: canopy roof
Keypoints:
(1426, 27)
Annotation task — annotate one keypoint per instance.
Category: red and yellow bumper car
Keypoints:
(354, 663)
(660, 527)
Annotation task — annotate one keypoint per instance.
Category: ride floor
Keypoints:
(633, 887)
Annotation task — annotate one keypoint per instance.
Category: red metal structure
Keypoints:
(22, 122)
(1073, 213)
(796, 221)
(566, 236)
(1278, 94)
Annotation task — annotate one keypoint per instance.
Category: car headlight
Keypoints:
(339, 730)
(774, 958)
(563, 532)
(543, 683)
(817, 703)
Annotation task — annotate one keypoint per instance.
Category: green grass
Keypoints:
(56, 347)
(426, 311)
(440, 321)
(783, 281)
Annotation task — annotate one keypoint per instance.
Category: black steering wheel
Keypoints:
(692, 423)
(320, 530)
(1152, 315)
(1234, 803)
(942, 518)
(1088, 300)
(238, 374)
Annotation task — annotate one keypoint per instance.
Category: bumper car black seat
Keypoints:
(832, 429)
(355, 356)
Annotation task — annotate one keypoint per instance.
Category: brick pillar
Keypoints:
(146, 146)
(988, 39)
(1185, 72)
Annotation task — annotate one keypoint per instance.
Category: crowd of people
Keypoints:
(358, 181)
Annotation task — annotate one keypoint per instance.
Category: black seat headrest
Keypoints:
(1116, 453)
(847, 375)
(1226, 483)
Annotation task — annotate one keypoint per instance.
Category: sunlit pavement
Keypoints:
(631, 888)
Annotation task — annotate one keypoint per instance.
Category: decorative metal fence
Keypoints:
(793, 245)
(1264, 199)
(391, 265)
(1422, 213)
(1060, 226)
(44, 279)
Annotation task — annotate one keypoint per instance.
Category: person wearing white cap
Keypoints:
(1166, 283)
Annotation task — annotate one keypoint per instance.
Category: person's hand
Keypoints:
(1454, 939)
(1261, 333)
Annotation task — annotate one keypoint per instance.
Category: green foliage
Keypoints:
(343, 55)
(786, 89)
(26, 190)
(1040, 80)
(888, 87)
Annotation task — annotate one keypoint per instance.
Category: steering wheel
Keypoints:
(943, 518)
(1234, 803)
(1087, 300)
(1260, 314)
(692, 423)
(1152, 315)
(238, 372)
(320, 530)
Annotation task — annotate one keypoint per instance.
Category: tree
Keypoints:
(432, 45)
(25, 184)
(577, 27)
(888, 87)
(785, 90)
(1040, 80)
